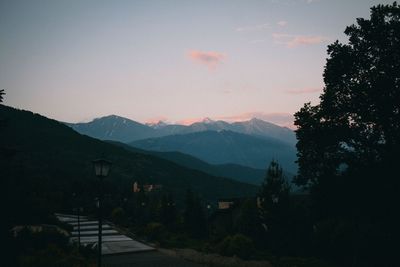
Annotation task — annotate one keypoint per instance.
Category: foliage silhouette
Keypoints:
(194, 216)
(348, 144)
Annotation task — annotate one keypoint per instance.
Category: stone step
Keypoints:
(92, 227)
(71, 217)
(113, 242)
(95, 233)
(75, 223)
(94, 239)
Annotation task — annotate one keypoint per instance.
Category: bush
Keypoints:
(155, 231)
(237, 245)
(52, 256)
(118, 216)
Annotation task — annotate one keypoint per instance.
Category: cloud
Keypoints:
(282, 23)
(189, 121)
(291, 40)
(258, 27)
(210, 59)
(303, 91)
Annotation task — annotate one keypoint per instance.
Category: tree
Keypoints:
(348, 144)
(168, 212)
(274, 196)
(358, 119)
(194, 217)
(357, 123)
(274, 189)
(248, 221)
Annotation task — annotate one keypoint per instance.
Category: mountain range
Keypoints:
(252, 144)
(124, 130)
(115, 128)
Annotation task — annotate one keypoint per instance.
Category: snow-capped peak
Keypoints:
(207, 120)
(157, 125)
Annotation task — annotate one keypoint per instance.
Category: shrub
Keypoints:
(155, 231)
(237, 245)
(118, 216)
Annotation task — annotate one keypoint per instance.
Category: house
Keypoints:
(227, 203)
(146, 187)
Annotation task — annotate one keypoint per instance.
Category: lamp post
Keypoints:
(78, 211)
(101, 169)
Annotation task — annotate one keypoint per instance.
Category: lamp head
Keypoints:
(101, 167)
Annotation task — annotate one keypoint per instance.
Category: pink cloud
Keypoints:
(303, 91)
(210, 59)
(282, 23)
(189, 121)
(292, 41)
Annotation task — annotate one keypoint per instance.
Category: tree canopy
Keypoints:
(358, 118)
(274, 189)
(348, 144)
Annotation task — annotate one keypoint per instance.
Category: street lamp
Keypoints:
(78, 211)
(101, 169)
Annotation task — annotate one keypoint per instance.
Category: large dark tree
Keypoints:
(358, 118)
(168, 212)
(248, 221)
(275, 208)
(193, 216)
(348, 145)
(274, 190)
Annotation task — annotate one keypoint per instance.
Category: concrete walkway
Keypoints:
(113, 242)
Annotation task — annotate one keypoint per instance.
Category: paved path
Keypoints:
(119, 250)
(113, 242)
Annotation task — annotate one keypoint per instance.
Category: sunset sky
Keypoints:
(171, 60)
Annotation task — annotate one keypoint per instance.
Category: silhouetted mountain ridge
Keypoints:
(114, 127)
(224, 147)
(232, 171)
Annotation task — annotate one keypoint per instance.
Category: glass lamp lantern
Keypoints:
(101, 167)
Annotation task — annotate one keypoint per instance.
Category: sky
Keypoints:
(176, 61)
